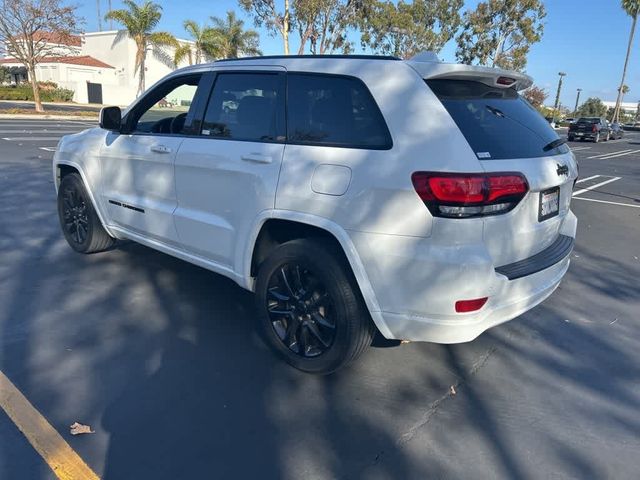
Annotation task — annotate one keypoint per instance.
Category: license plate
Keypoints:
(549, 203)
(579, 134)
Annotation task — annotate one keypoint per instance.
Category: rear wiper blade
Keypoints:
(555, 144)
(495, 111)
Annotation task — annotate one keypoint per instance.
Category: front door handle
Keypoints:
(160, 149)
(257, 158)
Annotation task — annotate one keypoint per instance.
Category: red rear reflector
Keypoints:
(505, 81)
(463, 306)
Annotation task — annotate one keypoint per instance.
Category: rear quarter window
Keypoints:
(335, 111)
(497, 123)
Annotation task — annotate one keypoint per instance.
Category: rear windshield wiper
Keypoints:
(555, 144)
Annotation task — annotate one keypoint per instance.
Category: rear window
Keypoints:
(334, 111)
(497, 122)
(589, 120)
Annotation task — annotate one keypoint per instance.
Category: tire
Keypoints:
(78, 219)
(310, 311)
(570, 138)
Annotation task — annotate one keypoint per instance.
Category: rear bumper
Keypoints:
(512, 299)
(417, 282)
(588, 136)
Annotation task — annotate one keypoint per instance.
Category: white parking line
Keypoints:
(609, 203)
(588, 178)
(32, 139)
(610, 153)
(596, 186)
(39, 130)
(577, 149)
(620, 155)
(47, 149)
(40, 124)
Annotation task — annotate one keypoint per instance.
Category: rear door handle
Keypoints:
(257, 158)
(160, 149)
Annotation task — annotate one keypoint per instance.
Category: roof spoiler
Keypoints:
(429, 66)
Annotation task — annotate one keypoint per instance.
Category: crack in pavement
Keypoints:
(433, 407)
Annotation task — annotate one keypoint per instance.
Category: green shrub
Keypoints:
(26, 93)
(16, 93)
(57, 95)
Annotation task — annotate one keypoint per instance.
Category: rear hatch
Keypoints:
(508, 135)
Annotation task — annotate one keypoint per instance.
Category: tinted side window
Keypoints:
(333, 110)
(166, 108)
(246, 106)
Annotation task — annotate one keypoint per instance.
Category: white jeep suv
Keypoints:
(425, 200)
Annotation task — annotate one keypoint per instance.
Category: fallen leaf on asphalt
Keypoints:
(452, 390)
(79, 429)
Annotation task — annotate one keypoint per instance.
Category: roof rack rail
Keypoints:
(271, 57)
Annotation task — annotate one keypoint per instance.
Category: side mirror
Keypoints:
(111, 118)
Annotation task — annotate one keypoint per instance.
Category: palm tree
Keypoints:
(205, 39)
(139, 21)
(233, 40)
(632, 8)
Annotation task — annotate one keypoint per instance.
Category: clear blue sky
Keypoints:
(584, 38)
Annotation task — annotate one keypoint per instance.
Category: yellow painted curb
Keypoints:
(63, 460)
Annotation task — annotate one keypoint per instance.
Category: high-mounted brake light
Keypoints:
(464, 195)
(507, 81)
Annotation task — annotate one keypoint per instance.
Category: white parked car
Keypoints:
(421, 199)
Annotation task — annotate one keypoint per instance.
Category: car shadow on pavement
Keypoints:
(218, 403)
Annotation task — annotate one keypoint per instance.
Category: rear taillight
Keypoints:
(464, 195)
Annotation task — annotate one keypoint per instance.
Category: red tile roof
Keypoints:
(84, 60)
(58, 38)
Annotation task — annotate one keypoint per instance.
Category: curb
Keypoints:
(19, 116)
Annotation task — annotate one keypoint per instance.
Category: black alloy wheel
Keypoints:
(310, 310)
(75, 214)
(79, 221)
(301, 311)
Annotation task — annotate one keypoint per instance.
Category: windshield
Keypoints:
(497, 122)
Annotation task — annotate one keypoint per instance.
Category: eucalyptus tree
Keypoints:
(276, 17)
(406, 28)
(499, 33)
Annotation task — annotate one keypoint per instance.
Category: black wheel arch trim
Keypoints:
(94, 203)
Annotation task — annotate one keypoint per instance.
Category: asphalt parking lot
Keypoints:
(161, 359)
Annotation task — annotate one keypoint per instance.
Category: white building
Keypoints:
(96, 67)
(627, 107)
